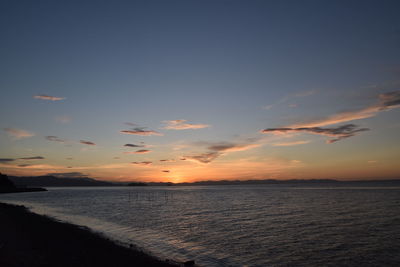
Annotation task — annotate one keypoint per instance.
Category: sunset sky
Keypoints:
(179, 91)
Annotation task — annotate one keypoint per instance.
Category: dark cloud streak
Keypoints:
(340, 132)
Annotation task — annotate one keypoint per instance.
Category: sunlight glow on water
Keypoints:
(238, 225)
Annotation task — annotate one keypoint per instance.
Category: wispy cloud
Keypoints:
(133, 145)
(87, 143)
(165, 171)
(47, 97)
(63, 119)
(143, 163)
(203, 157)
(291, 96)
(130, 124)
(55, 139)
(32, 158)
(216, 149)
(230, 147)
(386, 102)
(18, 133)
(167, 160)
(182, 125)
(142, 151)
(140, 131)
(339, 133)
(293, 143)
(24, 158)
(6, 160)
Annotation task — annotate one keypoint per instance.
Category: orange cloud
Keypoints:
(294, 143)
(142, 151)
(143, 163)
(182, 125)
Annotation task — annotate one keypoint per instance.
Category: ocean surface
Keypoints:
(238, 225)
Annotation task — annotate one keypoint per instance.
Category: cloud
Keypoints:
(167, 160)
(32, 158)
(294, 143)
(63, 119)
(339, 133)
(143, 163)
(6, 160)
(182, 125)
(69, 158)
(230, 147)
(54, 139)
(386, 102)
(140, 131)
(216, 149)
(165, 171)
(133, 145)
(130, 124)
(18, 133)
(203, 157)
(23, 165)
(87, 143)
(291, 96)
(142, 151)
(47, 97)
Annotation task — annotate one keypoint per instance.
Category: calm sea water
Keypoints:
(238, 225)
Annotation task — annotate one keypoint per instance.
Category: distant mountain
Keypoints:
(7, 186)
(49, 180)
(292, 182)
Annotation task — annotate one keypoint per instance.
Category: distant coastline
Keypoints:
(53, 181)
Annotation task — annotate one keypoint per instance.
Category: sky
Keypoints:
(183, 91)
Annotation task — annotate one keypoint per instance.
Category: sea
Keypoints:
(237, 225)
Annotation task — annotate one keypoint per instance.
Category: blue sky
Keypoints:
(237, 66)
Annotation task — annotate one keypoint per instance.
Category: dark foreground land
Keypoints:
(28, 239)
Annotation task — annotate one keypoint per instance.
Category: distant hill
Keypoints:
(7, 186)
(293, 182)
(49, 180)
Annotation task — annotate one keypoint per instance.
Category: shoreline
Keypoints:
(30, 239)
